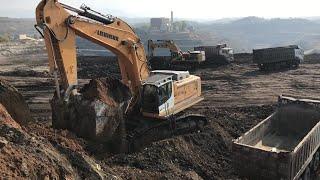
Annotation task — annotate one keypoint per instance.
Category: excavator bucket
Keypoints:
(97, 113)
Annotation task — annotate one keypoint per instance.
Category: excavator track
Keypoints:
(141, 137)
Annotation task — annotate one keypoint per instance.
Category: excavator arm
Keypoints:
(60, 29)
(167, 44)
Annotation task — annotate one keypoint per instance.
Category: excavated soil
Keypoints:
(14, 103)
(237, 97)
(26, 153)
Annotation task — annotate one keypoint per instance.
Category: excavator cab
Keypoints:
(157, 96)
(176, 56)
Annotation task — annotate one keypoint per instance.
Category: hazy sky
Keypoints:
(192, 9)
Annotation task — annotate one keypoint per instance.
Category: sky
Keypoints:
(189, 9)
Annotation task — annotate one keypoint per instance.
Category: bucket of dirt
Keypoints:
(14, 103)
(97, 113)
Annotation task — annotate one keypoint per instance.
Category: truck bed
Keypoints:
(281, 145)
(274, 142)
(275, 55)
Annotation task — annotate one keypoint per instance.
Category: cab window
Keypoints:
(165, 92)
(150, 98)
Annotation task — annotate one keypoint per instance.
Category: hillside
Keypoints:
(243, 34)
(252, 32)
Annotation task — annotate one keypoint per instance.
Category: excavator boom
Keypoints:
(60, 30)
(166, 44)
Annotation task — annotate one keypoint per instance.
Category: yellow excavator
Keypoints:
(176, 52)
(179, 59)
(158, 97)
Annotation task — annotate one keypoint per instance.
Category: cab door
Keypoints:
(166, 99)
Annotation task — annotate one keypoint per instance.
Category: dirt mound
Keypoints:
(243, 58)
(206, 154)
(14, 103)
(90, 67)
(97, 113)
(26, 73)
(311, 59)
(33, 156)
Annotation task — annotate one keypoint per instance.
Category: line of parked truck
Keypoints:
(267, 59)
(192, 59)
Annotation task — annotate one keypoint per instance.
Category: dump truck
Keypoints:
(278, 57)
(219, 54)
(283, 146)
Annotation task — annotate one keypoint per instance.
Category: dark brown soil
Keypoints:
(97, 67)
(14, 103)
(101, 87)
(237, 97)
(206, 154)
(25, 153)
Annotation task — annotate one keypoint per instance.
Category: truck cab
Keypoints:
(227, 53)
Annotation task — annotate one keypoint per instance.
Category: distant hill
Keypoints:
(243, 34)
(253, 32)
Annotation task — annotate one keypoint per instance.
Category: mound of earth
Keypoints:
(202, 155)
(26, 155)
(14, 103)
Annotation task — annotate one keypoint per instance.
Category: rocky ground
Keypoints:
(237, 97)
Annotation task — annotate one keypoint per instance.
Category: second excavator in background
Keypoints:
(145, 106)
(178, 59)
(199, 57)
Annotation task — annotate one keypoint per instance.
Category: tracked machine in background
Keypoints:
(145, 106)
(200, 57)
(179, 60)
(278, 57)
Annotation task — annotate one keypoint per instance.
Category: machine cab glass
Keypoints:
(156, 92)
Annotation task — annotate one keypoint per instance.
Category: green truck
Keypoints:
(278, 57)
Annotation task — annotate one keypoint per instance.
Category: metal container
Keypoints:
(288, 55)
(283, 145)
